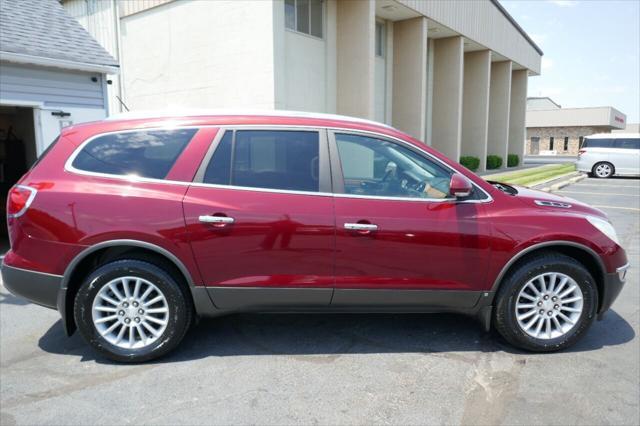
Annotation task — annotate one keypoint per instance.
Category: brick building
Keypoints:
(552, 129)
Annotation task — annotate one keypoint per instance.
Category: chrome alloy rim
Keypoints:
(603, 170)
(549, 305)
(130, 312)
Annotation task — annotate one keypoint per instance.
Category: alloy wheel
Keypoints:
(549, 305)
(130, 312)
(603, 170)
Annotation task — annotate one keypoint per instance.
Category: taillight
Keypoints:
(19, 200)
(582, 151)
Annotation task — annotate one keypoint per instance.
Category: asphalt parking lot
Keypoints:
(337, 369)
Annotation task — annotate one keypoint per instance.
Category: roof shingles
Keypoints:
(43, 28)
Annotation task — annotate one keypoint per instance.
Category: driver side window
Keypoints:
(378, 167)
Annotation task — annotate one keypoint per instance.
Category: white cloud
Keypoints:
(546, 63)
(564, 3)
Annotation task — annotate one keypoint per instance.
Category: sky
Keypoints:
(591, 51)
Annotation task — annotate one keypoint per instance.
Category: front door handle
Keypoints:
(367, 227)
(220, 220)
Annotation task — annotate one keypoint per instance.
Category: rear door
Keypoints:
(260, 218)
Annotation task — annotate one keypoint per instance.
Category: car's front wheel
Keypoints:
(132, 311)
(546, 304)
(602, 170)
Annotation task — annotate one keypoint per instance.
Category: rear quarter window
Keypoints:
(148, 153)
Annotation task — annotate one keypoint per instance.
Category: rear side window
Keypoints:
(148, 153)
(627, 143)
(598, 143)
(270, 159)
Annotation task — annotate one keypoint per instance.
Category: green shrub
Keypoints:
(471, 163)
(513, 160)
(494, 162)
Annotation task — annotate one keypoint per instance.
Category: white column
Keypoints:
(355, 58)
(519, 79)
(499, 105)
(475, 105)
(410, 76)
(448, 63)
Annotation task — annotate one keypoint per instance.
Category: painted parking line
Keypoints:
(599, 193)
(604, 185)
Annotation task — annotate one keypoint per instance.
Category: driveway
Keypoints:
(336, 369)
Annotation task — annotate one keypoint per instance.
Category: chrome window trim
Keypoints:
(68, 167)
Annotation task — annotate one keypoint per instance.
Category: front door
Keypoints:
(260, 219)
(400, 239)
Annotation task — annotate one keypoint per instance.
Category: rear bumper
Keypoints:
(613, 284)
(37, 287)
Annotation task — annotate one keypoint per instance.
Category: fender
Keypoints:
(520, 254)
(67, 317)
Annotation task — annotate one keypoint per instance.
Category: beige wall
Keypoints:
(499, 101)
(447, 96)
(410, 76)
(475, 105)
(571, 117)
(173, 56)
(355, 58)
(517, 112)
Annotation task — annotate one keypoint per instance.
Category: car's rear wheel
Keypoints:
(132, 311)
(546, 304)
(602, 170)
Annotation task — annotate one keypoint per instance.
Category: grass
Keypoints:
(534, 175)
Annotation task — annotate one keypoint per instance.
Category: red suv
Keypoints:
(132, 227)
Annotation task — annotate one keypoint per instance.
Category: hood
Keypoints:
(546, 201)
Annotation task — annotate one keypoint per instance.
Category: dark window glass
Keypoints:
(316, 18)
(377, 167)
(566, 143)
(380, 39)
(290, 14)
(286, 160)
(627, 143)
(149, 153)
(580, 141)
(598, 143)
(551, 143)
(302, 13)
(219, 167)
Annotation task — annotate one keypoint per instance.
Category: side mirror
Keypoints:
(459, 186)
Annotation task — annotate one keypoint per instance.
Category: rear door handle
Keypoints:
(224, 220)
(361, 227)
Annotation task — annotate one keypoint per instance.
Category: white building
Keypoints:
(552, 129)
(452, 73)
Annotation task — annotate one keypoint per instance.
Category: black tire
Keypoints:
(179, 303)
(600, 175)
(505, 320)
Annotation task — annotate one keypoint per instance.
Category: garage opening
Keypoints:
(17, 153)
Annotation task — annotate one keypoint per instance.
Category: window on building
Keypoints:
(287, 160)
(149, 153)
(580, 141)
(551, 139)
(566, 143)
(304, 16)
(380, 39)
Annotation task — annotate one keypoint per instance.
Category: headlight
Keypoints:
(605, 227)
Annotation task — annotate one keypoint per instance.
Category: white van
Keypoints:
(607, 154)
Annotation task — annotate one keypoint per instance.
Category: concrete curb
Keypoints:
(563, 183)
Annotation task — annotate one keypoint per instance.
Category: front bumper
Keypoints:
(38, 287)
(613, 284)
